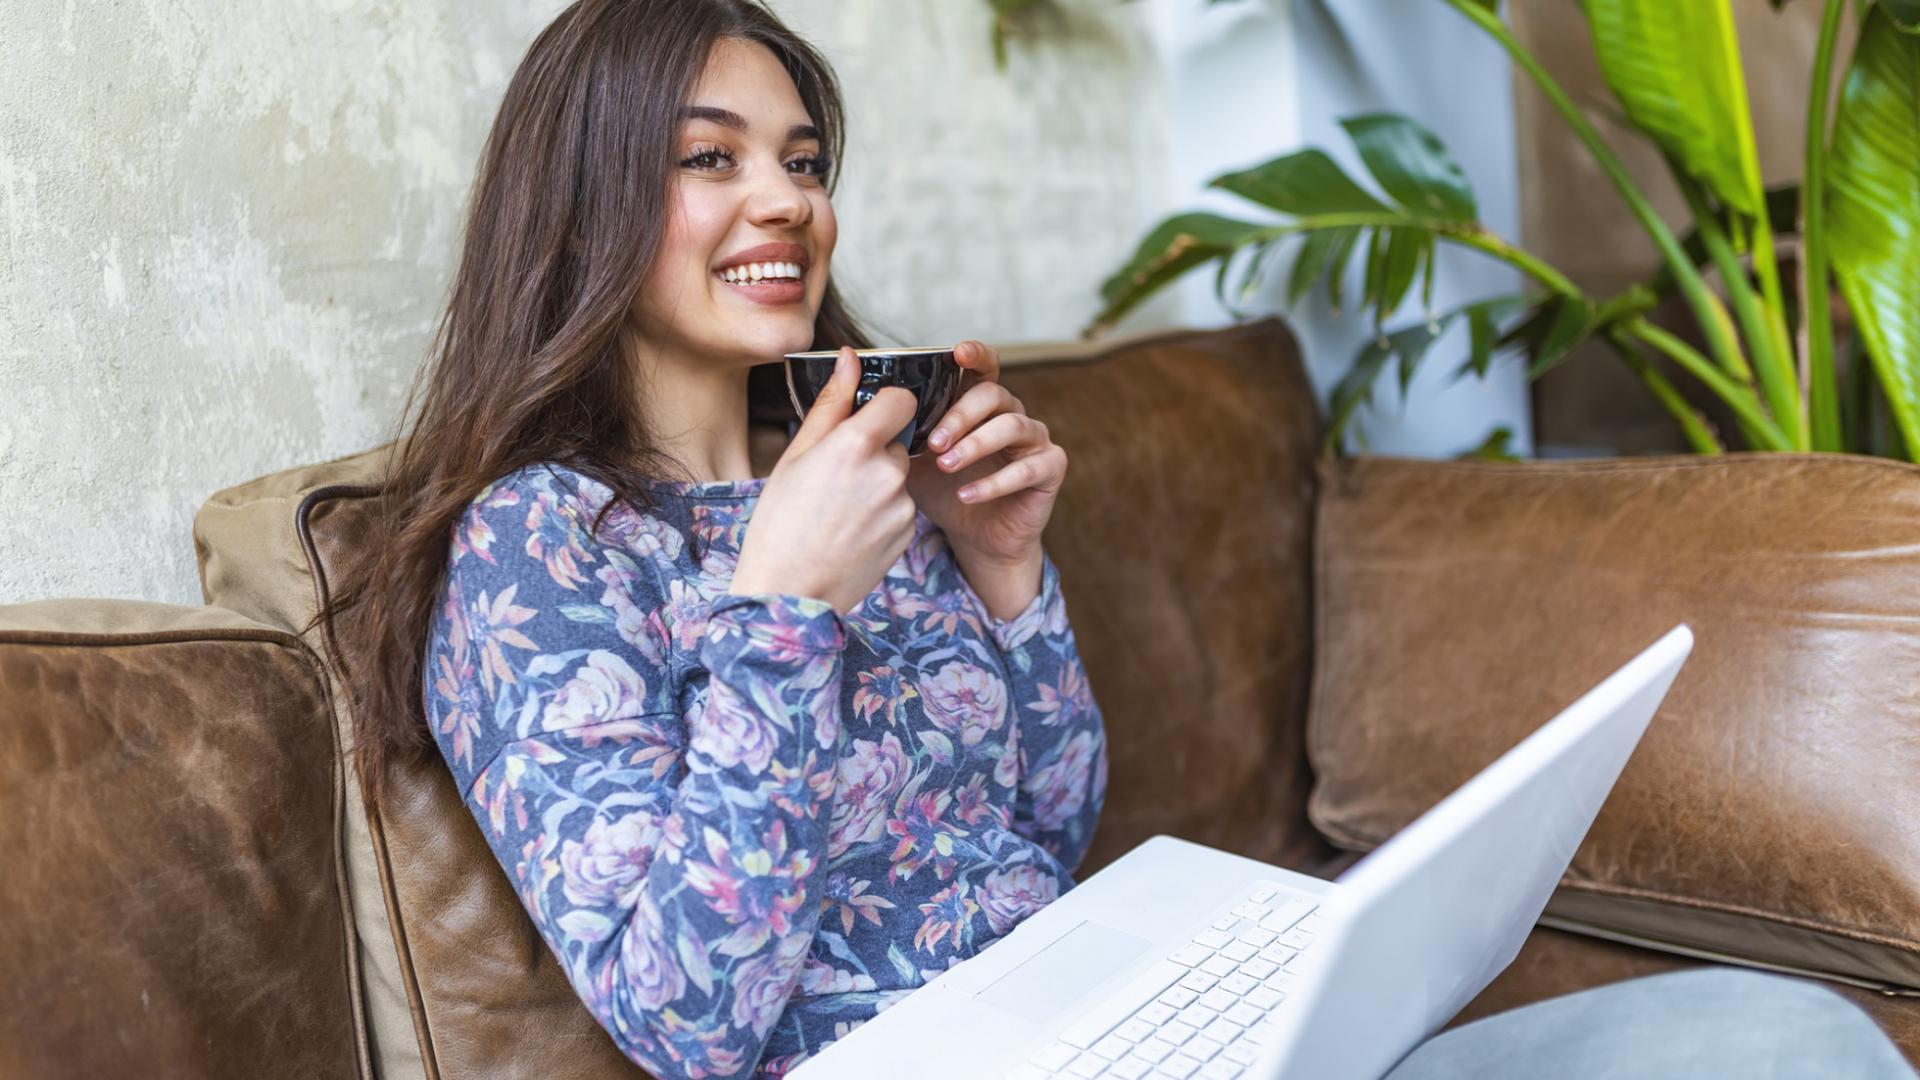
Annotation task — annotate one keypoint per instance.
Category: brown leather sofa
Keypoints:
(1294, 658)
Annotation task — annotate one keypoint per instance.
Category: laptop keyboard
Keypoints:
(1203, 1011)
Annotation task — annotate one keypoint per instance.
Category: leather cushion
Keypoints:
(1767, 816)
(173, 893)
(1182, 538)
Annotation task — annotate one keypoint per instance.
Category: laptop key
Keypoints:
(1258, 968)
(1238, 950)
(1177, 997)
(1218, 965)
(1257, 937)
(1087, 1065)
(1198, 1014)
(1297, 939)
(1192, 955)
(1138, 1029)
(1179, 1066)
(1222, 1030)
(1263, 893)
(1131, 1067)
(1245, 1014)
(1199, 981)
(1029, 1072)
(1226, 922)
(1247, 909)
(1218, 1069)
(1112, 1048)
(1108, 1015)
(1218, 999)
(1278, 953)
(1201, 1048)
(1177, 1032)
(1238, 983)
(1243, 1051)
(1262, 997)
(1154, 1050)
(1213, 939)
(1284, 916)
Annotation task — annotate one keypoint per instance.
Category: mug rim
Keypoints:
(918, 350)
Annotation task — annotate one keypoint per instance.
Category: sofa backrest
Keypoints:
(175, 899)
(1768, 815)
(1183, 542)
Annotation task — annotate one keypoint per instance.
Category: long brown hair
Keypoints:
(566, 219)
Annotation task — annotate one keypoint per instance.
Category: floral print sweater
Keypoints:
(747, 824)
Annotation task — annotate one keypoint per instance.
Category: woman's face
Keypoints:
(747, 209)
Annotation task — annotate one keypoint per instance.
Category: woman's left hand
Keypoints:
(991, 481)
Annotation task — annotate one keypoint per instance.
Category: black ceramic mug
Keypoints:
(932, 374)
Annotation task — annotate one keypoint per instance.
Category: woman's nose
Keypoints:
(776, 200)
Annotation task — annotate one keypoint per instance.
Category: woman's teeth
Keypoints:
(752, 272)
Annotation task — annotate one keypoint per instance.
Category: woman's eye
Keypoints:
(707, 159)
(816, 166)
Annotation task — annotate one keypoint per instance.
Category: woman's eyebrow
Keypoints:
(729, 118)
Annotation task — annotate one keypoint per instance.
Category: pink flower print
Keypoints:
(797, 791)
(1006, 771)
(456, 686)
(474, 534)
(610, 860)
(646, 535)
(651, 971)
(732, 731)
(949, 611)
(717, 567)
(869, 778)
(553, 537)
(673, 837)
(973, 804)
(643, 628)
(686, 614)
(923, 834)
(1060, 704)
(489, 626)
(759, 891)
(1060, 789)
(965, 698)
(850, 898)
(947, 912)
(604, 689)
(818, 977)
(1010, 895)
(690, 1043)
(883, 688)
(762, 984)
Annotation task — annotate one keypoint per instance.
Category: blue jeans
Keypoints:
(1710, 1022)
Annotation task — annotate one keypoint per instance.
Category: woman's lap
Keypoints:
(1714, 1022)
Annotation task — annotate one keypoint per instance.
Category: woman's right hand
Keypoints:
(835, 512)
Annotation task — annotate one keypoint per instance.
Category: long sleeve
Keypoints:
(673, 862)
(1062, 738)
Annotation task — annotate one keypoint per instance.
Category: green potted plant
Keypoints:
(1674, 69)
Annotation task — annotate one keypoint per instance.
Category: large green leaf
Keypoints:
(1873, 207)
(1675, 66)
(1174, 247)
(1412, 165)
(1302, 184)
(1906, 13)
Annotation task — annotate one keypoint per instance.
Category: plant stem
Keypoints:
(1692, 424)
(1822, 393)
(1465, 233)
(1777, 380)
(1739, 398)
(1707, 308)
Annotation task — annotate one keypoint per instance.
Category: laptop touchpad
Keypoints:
(1062, 973)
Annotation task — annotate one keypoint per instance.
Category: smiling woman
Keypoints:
(760, 754)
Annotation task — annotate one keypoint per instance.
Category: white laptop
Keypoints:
(1181, 961)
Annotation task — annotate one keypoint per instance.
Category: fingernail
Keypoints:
(949, 459)
(938, 438)
(967, 494)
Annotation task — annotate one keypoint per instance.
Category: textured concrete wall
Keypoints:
(229, 226)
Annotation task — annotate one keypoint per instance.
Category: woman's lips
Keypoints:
(768, 292)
